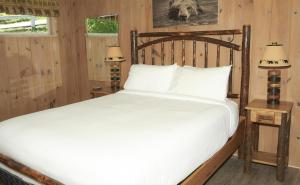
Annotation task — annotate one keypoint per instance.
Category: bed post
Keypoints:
(244, 80)
(245, 69)
(134, 49)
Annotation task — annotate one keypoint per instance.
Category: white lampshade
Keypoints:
(274, 57)
(114, 54)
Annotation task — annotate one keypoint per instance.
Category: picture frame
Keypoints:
(185, 12)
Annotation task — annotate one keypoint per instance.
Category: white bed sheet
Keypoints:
(129, 138)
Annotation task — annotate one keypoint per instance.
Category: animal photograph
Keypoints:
(184, 12)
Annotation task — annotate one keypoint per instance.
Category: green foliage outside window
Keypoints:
(99, 25)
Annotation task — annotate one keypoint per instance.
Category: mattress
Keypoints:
(129, 138)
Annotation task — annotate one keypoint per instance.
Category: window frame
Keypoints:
(50, 24)
(102, 34)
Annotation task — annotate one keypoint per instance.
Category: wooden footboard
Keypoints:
(37, 176)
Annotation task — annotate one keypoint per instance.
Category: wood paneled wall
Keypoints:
(96, 45)
(40, 72)
(30, 73)
(271, 20)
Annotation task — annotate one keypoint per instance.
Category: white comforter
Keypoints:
(129, 138)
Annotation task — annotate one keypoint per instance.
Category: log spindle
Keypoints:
(162, 53)
(230, 76)
(206, 55)
(194, 53)
(183, 52)
(153, 54)
(218, 56)
(143, 56)
(172, 52)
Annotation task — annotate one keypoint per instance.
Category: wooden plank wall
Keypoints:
(96, 46)
(39, 72)
(271, 20)
(30, 73)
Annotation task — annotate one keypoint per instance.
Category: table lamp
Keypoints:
(274, 59)
(114, 56)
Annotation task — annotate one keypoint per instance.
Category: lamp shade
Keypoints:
(114, 54)
(274, 57)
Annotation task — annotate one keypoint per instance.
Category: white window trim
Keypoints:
(102, 34)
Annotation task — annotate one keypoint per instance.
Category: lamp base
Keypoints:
(273, 102)
(274, 80)
(115, 73)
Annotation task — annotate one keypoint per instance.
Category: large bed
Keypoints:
(132, 137)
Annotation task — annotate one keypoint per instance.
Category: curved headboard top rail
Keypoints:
(192, 38)
(140, 41)
(198, 33)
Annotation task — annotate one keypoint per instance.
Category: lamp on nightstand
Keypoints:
(274, 59)
(114, 56)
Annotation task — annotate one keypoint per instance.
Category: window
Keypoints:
(103, 25)
(23, 24)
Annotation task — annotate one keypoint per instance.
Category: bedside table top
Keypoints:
(283, 107)
(106, 90)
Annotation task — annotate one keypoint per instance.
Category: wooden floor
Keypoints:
(231, 173)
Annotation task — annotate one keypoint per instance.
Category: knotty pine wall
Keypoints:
(271, 20)
(39, 72)
(98, 69)
(30, 74)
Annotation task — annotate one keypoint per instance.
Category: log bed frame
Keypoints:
(207, 169)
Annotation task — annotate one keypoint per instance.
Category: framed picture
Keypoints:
(184, 12)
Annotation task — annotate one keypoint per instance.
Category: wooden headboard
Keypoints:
(142, 42)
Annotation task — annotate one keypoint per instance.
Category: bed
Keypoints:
(162, 143)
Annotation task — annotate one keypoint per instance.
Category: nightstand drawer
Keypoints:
(266, 117)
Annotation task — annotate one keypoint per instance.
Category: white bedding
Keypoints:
(129, 138)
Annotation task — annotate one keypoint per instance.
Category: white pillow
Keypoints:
(150, 78)
(202, 82)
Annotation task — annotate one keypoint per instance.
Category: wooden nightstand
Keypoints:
(102, 92)
(260, 113)
(105, 88)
